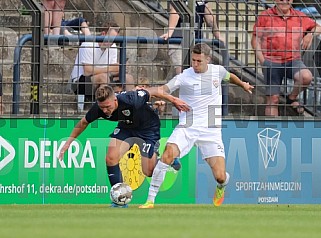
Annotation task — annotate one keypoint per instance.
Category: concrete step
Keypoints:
(240, 6)
(15, 18)
(63, 104)
(242, 17)
(49, 98)
(7, 68)
(237, 105)
(56, 62)
(51, 111)
(57, 104)
(12, 5)
(50, 85)
(15, 21)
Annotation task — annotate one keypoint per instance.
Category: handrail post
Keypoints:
(225, 88)
(37, 13)
(16, 72)
(122, 61)
(187, 14)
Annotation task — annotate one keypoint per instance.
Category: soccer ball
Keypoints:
(121, 193)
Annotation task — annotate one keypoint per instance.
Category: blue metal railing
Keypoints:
(60, 39)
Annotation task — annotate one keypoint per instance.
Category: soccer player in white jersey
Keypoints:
(200, 87)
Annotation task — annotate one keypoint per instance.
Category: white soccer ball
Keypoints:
(121, 193)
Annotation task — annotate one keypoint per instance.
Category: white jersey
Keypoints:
(91, 53)
(203, 93)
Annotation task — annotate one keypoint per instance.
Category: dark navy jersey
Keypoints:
(133, 112)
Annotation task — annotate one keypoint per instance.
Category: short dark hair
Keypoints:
(202, 48)
(116, 83)
(110, 24)
(104, 92)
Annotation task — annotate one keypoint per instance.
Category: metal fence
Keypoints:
(45, 65)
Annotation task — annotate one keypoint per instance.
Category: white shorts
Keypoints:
(208, 140)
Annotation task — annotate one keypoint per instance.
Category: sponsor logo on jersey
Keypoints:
(116, 131)
(215, 83)
(126, 112)
(141, 93)
(200, 3)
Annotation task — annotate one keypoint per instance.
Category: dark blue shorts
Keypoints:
(145, 139)
(75, 23)
(274, 73)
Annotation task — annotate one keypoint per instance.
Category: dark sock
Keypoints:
(114, 174)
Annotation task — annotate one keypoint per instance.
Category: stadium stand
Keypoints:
(141, 18)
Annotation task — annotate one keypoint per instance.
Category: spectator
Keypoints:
(279, 35)
(79, 24)
(97, 63)
(54, 11)
(202, 13)
(143, 83)
(117, 86)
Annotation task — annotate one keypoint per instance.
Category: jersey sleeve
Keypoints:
(224, 74)
(136, 98)
(93, 114)
(174, 83)
(308, 23)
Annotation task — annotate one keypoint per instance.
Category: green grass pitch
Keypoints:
(94, 221)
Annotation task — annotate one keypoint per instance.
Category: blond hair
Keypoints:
(143, 82)
(104, 92)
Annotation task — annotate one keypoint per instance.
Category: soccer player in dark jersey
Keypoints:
(137, 123)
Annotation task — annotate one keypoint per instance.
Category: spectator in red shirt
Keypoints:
(279, 36)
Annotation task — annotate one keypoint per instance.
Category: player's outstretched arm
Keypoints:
(237, 81)
(162, 92)
(78, 129)
(172, 22)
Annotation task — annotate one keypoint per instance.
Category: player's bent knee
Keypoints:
(170, 153)
(111, 161)
(147, 172)
(167, 159)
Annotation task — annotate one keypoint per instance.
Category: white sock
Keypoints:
(221, 185)
(157, 180)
